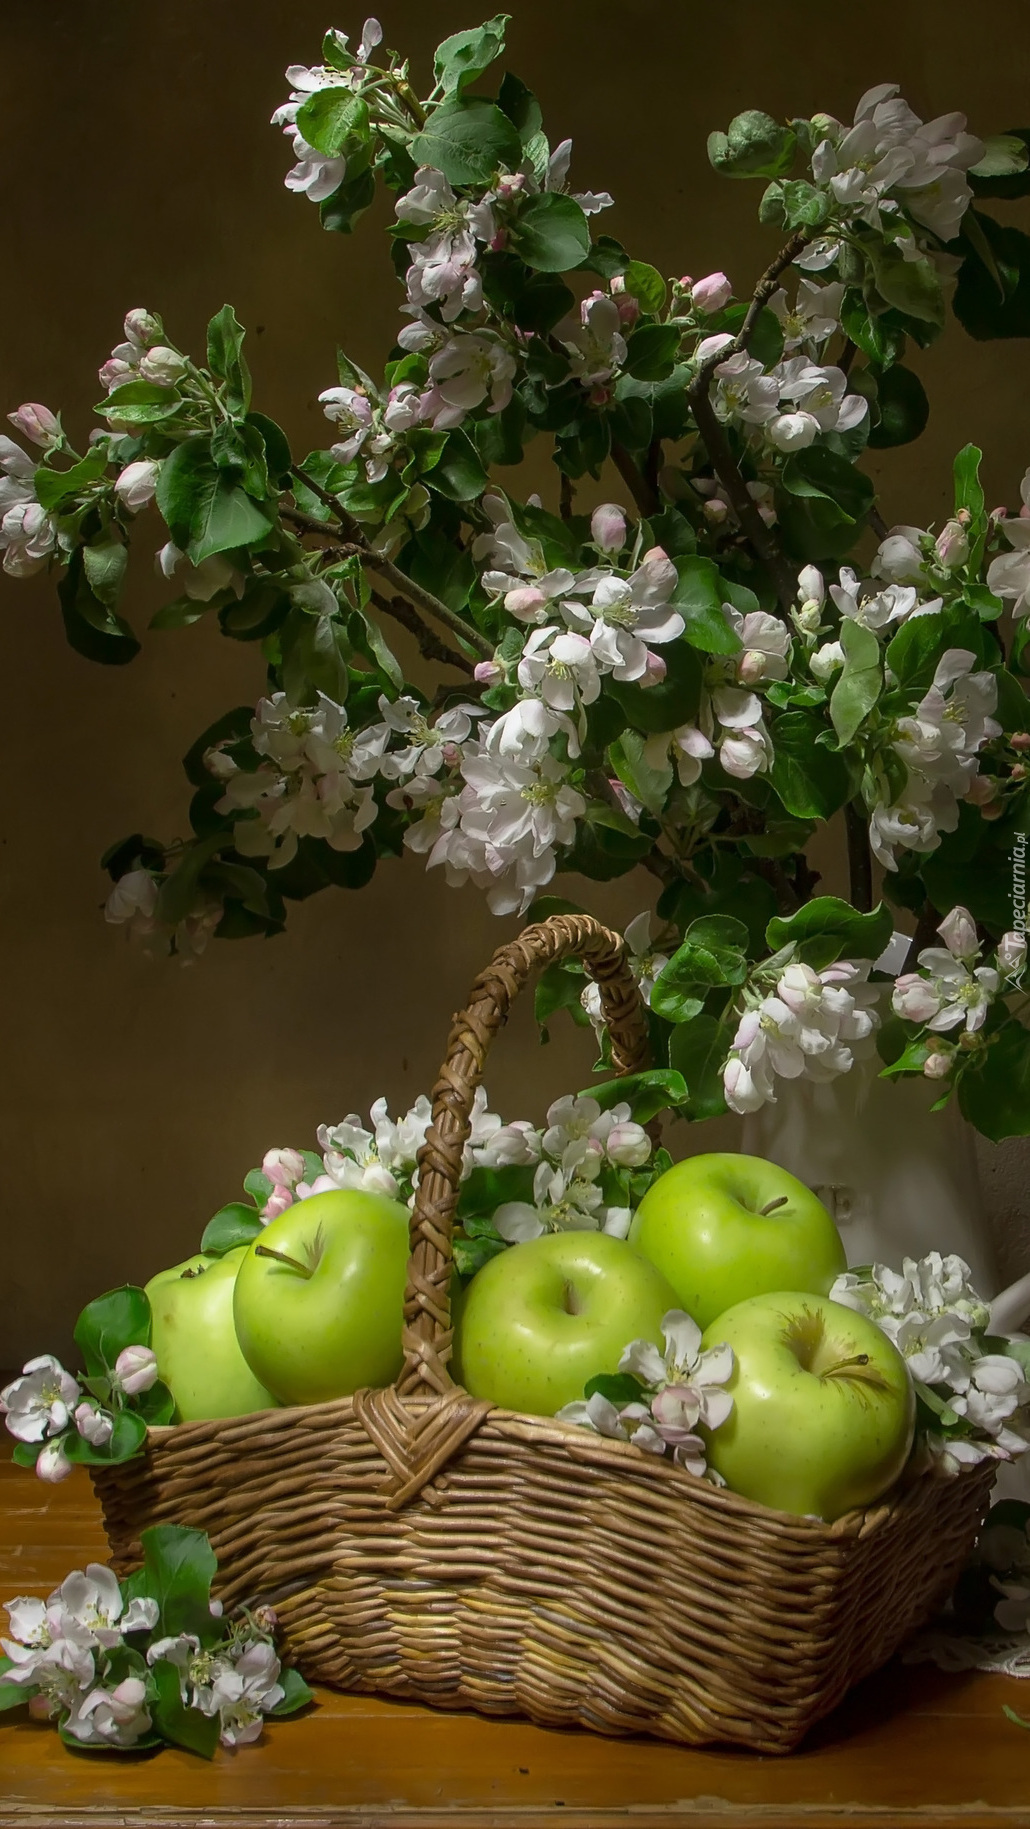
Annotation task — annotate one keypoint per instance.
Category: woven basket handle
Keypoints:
(427, 1313)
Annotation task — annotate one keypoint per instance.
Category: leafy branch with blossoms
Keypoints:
(692, 678)
(123, 1666)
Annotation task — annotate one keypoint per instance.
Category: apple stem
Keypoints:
(772, 1206)
(281, 1258)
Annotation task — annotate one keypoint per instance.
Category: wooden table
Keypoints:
(911, 1746)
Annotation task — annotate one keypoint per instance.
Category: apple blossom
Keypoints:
(711, 293)
(52, 1463)
(608, 528)
(93, 1425)
(810, 1024)
(162, 365)
(595, 343)
(814, 316)
(958, 931)
(135, 1370)
(137, 484)
(39, 1403)
(826, 661)
(466, 371)
(111, 1717)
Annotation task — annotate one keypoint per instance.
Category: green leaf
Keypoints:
(225, 357)
(140, 403)
(314, 657)
(468, 140)
(113, 1321)
(913, 286)
(55, 487)
(91, 627)
(878, 337)
(647, 784)
(105, 565)
(699, 596)
(128, 1439)
(995, 1097)
(698, 1051)
(651, 351)
(334, 121)
(277, 449)
(681, 987)
(913, 653)
(182, 613)
(350, 200)
(486, 1189)
(465, 55)
(558, 989)
(754, 146)
(670, 703)
(646, 1093)
(459, 474)
(646, 285)
(175, 1720)
(551, 233)
(968, 487)
(298, 1695)
(935, 1402)
(521, 107)
(618, 1387)
(532, 300)
(1003, 170)
(206, 511)
(978, 304)
(235, 1224)
(180, 1566)
(860, 683)
(902, 406)
(820, 472)
(827, 918)
(12, 1695)
(813, 782)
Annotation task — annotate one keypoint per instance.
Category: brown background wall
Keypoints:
(139, 169)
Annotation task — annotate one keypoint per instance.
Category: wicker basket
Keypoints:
(419, 1543)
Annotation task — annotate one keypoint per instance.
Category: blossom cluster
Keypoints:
(951, 994)
(679, 1388)
(579, 1145)
(48, 1405)
(978, 1398)
(798, 1022)
(87, 1657)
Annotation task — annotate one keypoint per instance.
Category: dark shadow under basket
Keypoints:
(417, 1542)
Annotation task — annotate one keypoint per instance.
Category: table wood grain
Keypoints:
(910, 1746)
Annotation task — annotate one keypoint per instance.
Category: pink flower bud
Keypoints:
(608, 527)
(952, 545)
(628, 1145)
(135, 1369)
(278, 1200)
(685, 281)
(525, 602)
(137, 484)
(999, 514)
(37, 423)
(751, 666)
(655, 670)
(1020, 739)
(1012, 954)
(711, 293)
(162, 365)
(937, 1066)
(715, 510)
(93, 1425)
(265, 1619)
(488, 673)
(958, 931)
(141, 326)
(981, 789)
(52, 1464)
(629, 308)
(914, 998)
(115, 373)
(283, 1167)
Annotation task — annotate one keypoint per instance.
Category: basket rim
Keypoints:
(589, 1449)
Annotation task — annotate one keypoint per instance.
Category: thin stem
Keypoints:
(759, 299)
(429, 644)
(722, 461)
(860, 858)
(878, 524)
(403, 585)
(567, 500)
(925, 935)
(645, 496)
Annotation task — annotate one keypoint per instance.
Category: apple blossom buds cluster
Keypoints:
(47, 1406)
(808, 1024)
(950, 996)
(975, 1398)
(88, 1658)
(579, 1143)
(677, 1389)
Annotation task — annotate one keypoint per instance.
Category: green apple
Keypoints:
(724, 1227)
(319, 1301)
(193, 1336)
(542, 1318)
(823, 1405)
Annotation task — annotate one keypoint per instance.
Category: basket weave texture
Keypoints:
(417, 1542)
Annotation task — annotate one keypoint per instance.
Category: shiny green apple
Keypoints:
(542, 1318)
(823, 1405)
(193, 1336)
(724, 1227)
(319, 1300)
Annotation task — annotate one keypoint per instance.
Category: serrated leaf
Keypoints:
(465, 55)
(551, 233)
(860, 683)
(854, 935)
(468, 140)
(105, 565)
